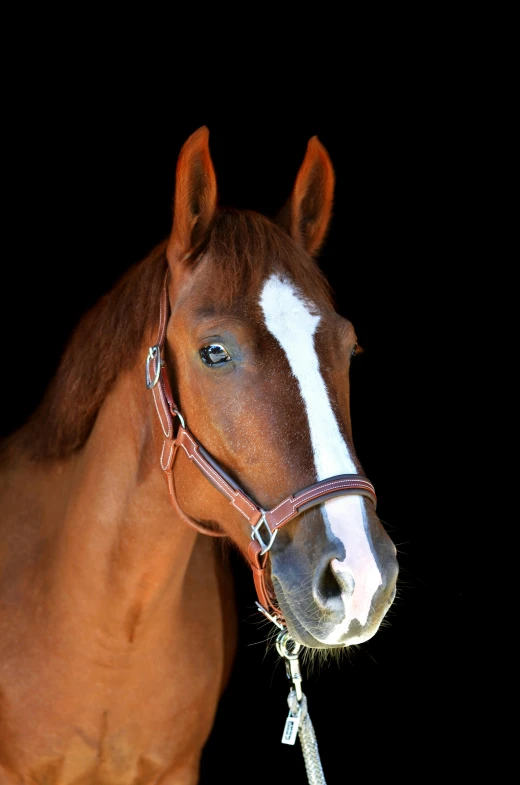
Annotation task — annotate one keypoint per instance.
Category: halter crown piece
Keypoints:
(264, 523)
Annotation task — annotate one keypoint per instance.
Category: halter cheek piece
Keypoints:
(264, 523)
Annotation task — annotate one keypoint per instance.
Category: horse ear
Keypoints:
(306, 215)
(195, 198)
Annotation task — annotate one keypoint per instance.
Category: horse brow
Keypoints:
(219, 315)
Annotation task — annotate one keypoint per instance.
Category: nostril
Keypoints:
(329, 588)
(344, 578)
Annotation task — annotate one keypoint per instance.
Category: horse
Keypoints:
(206, 396)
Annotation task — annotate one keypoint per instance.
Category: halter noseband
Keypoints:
(264, 523)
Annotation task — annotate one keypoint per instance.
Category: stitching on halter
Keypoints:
(163, 467)
(219, 480)
(195, 457)
(353, 484)
(167, 432)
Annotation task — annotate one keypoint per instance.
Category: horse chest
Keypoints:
(91, 722)
(78, 705)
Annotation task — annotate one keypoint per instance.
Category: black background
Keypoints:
(88, 180)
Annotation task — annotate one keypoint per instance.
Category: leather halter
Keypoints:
(269, 520)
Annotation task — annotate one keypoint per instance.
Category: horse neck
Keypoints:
(120, 552)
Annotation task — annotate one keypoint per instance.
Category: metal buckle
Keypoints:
(154, 353)
(258, 537)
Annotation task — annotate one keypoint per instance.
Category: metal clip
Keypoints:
(286, 646)
(292, 663)
(294, 674)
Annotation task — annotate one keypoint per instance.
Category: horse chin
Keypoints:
(302, 636)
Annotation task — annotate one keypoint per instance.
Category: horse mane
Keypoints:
(243, 245)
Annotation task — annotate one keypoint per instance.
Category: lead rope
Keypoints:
(298, 722)
(309, 745)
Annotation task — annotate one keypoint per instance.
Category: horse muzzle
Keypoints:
(333, 594)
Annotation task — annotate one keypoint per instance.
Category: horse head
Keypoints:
(259, 360)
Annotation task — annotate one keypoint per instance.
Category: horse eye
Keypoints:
(214, 354)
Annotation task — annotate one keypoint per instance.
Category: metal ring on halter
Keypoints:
(179, 415)
(154, 353)
(282, 640)
(258, 537)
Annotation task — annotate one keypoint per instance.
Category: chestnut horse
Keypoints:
(117, 629)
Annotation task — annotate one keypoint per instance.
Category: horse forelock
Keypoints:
(244, 248)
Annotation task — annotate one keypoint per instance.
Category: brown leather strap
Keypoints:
(285, 511)
(340, 485)
(162, 395)
(263, 585)
(217, 477)
(169, 451)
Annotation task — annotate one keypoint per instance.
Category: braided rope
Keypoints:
(311, 755)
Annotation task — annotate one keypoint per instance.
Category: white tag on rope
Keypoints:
(290, 731)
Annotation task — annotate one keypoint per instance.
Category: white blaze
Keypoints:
(290, 320)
